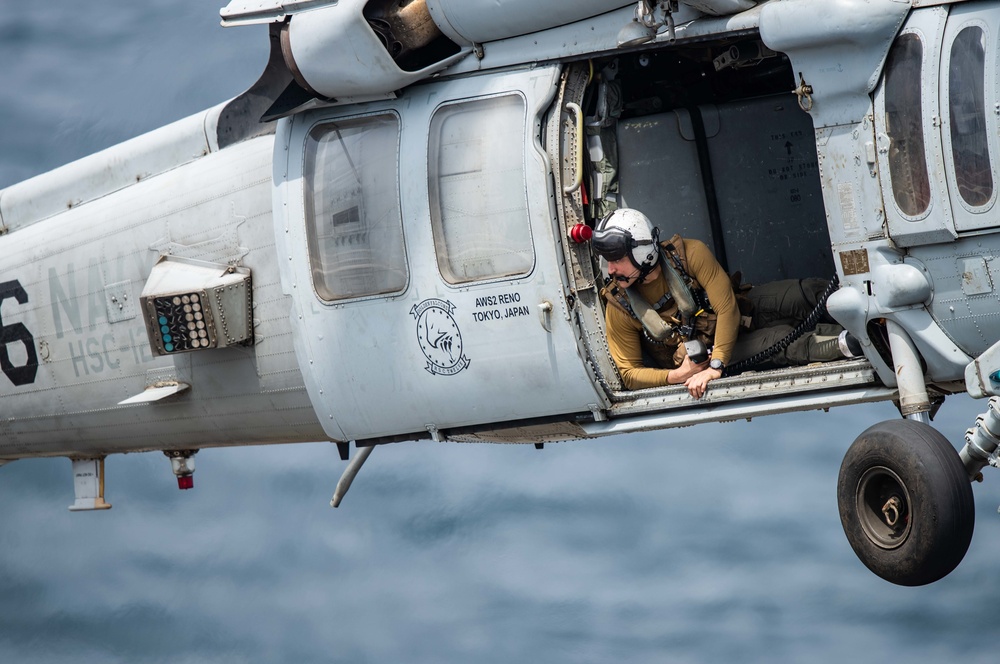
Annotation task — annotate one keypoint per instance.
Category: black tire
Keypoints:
(906, 502)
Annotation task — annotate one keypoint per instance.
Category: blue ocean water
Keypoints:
(718, 543)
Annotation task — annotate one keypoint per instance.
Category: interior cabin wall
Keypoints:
(732, 165)
(767, 184)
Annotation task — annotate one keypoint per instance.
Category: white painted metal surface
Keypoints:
(362, 360)
(839, 48)
(88, 485)
(155, 393)
(217, 208)
(104, 172)
(771, 384)
(467, 22)
(323, 41)
(248, 12)
(721, 7)
(736, 410)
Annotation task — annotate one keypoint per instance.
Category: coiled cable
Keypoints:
(806, 325)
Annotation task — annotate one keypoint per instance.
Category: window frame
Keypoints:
(433, 192)
(309, 211)
(989, 118)
(920, 125)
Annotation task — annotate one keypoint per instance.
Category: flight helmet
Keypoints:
(628, 232)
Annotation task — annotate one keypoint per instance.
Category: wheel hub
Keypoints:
(883, 505)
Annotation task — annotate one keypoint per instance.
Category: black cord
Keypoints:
(806, 325)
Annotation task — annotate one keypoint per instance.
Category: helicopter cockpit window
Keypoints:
(478, 204)
(353, 220)
(967, 107)
(904, 125)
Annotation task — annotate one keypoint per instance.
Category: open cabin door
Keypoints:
(735, 167)
(423, 260)
(739, 174)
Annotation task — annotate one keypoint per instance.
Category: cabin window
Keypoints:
(478, 205)
(904, 125)
(967, 108)
(353, 222)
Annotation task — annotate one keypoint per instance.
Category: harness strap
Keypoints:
(682, 289)
(679, 261)
(663, 301)
(655, 326)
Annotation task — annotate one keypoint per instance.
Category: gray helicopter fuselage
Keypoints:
(404, 236)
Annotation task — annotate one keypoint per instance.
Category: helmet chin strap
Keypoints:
(643, 270)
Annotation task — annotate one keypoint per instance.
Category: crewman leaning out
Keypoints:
(661, 295)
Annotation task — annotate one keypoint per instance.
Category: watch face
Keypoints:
(716, 364)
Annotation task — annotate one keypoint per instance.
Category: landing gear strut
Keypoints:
(906, 503)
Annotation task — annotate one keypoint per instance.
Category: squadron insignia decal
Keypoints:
(439, 337)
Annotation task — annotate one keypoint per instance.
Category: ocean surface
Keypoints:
(718, 543)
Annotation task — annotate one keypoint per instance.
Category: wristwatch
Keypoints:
(716, 364)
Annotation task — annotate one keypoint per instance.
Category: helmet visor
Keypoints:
(614, 244)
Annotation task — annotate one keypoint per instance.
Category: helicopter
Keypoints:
(386, 239)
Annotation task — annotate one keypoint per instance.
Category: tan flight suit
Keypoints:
(776, 308)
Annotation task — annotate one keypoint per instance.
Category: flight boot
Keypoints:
(826, 343)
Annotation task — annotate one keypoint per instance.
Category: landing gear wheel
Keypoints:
(906, 502)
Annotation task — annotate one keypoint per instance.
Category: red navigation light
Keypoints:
(185, 481)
